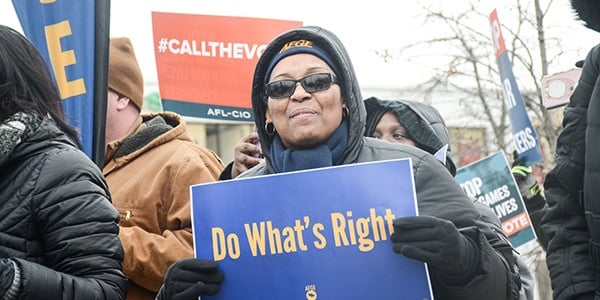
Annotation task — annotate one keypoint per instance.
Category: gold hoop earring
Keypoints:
(345, 112)
(270, 129)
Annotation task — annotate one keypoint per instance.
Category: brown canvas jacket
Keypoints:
(150, 184)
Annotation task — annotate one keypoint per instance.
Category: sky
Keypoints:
(363, 26)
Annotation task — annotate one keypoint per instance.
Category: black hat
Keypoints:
(588, 11)
(300, 46)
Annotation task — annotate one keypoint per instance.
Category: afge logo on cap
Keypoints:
(295, 44)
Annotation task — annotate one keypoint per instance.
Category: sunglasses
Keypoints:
(311, 84)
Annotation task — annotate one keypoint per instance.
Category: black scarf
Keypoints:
(287, 160)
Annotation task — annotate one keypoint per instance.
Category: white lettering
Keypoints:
(524, 140)
(185, 48)
(509, 97)
(225, 50)
(472, 187)
(506, 208)
(215, 49)
(174, 46)
(496, 34)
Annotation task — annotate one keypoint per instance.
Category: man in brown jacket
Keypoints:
(150, 164)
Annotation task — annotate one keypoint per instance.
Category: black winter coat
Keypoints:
(437, 192)
(57, 222)
(572, 223)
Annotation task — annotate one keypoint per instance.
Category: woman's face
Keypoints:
(304, 120)
(389, 129)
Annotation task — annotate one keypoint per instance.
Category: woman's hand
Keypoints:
(247, 154)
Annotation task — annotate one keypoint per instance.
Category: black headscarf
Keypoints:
(423, 123)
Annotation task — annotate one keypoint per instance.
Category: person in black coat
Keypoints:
(58, 230)
(421, 125)
(572, 222)
(320, 123)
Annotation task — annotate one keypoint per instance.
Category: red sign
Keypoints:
(209, 61)
(497, 36)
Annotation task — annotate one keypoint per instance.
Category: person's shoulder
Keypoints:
(258, 170)
(70, 159)
(186, 148)
(49, 143)
(422, 161)
(379, 149)
(61, 165)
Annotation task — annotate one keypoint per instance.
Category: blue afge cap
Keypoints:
(297, 47)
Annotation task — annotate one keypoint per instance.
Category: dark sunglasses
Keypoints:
(311, 84)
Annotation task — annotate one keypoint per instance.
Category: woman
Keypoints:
(58, 229)
(421, 125)
(310, 114)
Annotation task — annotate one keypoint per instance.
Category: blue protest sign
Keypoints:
(525, 137)
(322, 232)
(64, 33)
(490, 181)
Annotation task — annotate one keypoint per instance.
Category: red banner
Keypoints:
(205, 63)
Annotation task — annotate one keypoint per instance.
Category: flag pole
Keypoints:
(101, 49)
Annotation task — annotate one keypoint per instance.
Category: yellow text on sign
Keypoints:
(60, 59)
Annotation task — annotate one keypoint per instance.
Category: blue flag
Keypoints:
(64, 32)
(525, 137)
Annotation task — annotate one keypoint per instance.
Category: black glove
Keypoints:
(438, 243)
(525, 179)
(190, 278)
(7, 274)
(528, 186)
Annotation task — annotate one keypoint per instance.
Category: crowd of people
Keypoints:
(70, 230)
